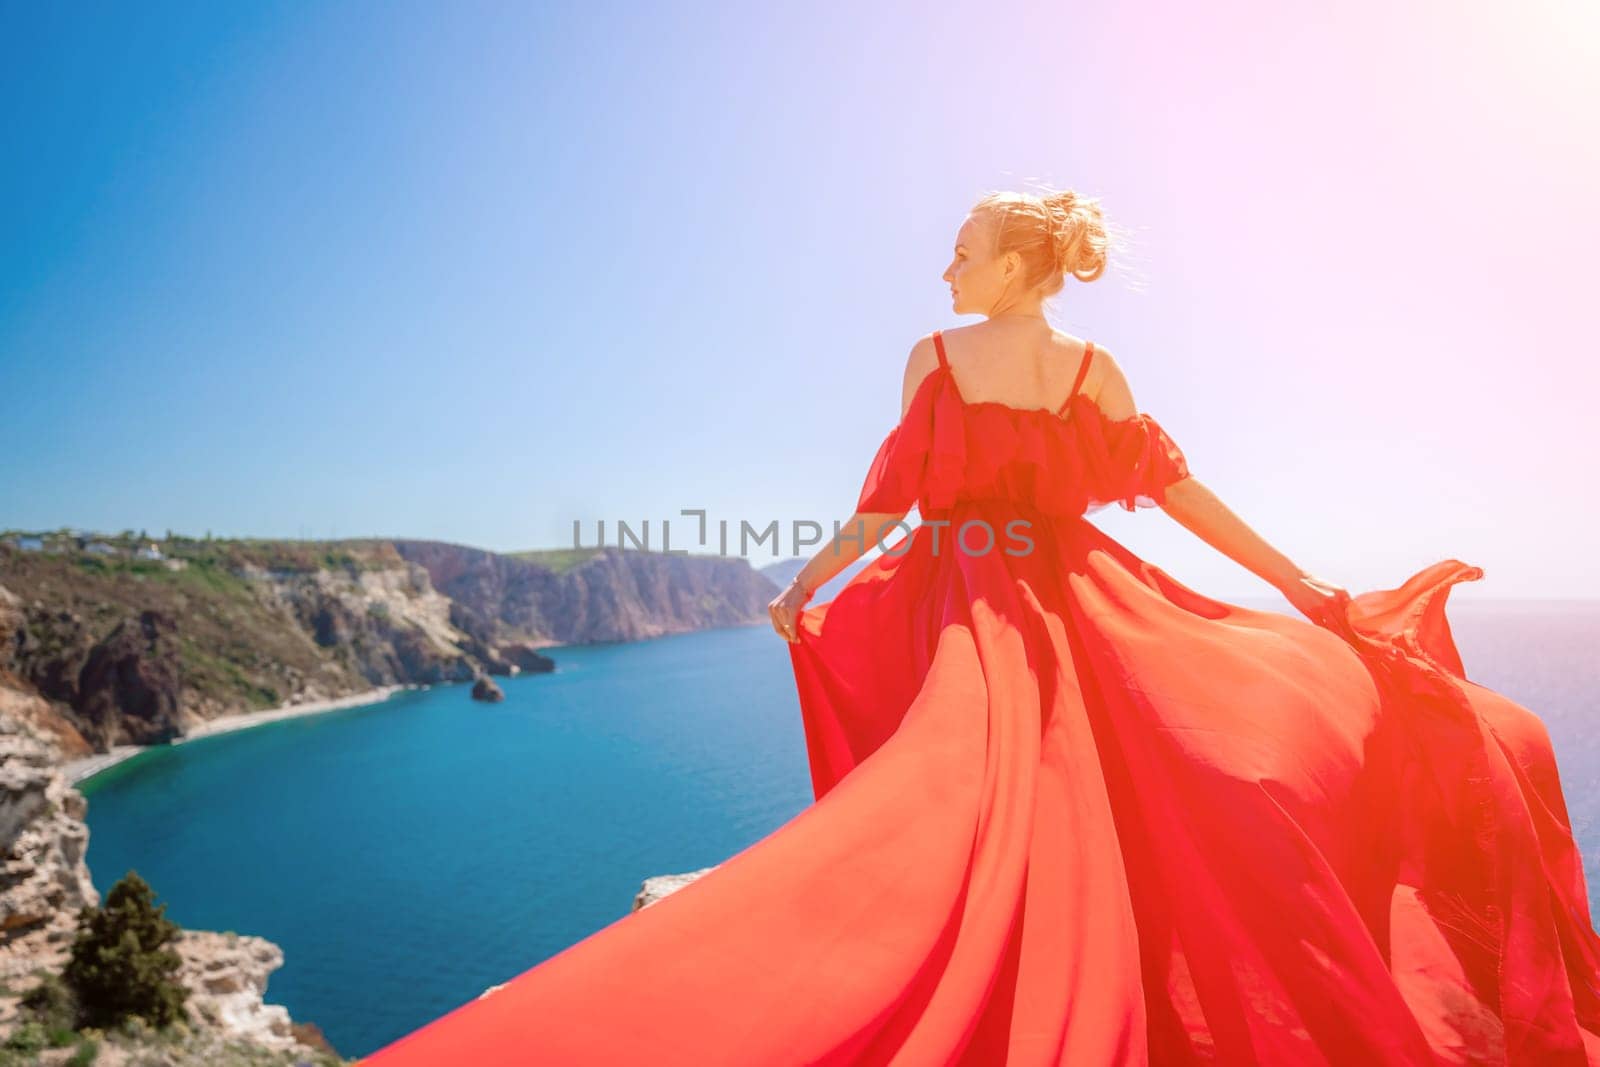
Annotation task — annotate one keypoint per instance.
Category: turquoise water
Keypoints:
(410, 854)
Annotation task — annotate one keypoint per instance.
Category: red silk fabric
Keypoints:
(1072, 812)
(1069, 464)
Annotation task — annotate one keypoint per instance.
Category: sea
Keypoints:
(410, 854)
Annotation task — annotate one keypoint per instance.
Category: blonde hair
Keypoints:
(1056, 234)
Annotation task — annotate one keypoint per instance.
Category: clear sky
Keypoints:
(471, 272)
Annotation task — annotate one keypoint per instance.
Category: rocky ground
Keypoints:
(44, 881)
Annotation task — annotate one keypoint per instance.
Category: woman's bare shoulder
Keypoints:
(921, 361)
(1108, 387)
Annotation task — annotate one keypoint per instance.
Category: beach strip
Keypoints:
(79, 769)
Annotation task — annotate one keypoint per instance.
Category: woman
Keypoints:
(1071, 811)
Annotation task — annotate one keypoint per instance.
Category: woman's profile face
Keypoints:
(976, 276)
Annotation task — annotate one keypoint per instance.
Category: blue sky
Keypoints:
(470, 272)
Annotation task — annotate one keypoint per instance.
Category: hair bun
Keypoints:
(1057, 233)
(1077, 229)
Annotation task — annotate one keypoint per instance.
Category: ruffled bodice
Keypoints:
(946, 450)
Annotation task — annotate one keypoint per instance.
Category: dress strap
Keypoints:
(938, 344)
(1083, 370)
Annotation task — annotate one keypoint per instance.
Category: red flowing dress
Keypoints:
(1071, 811)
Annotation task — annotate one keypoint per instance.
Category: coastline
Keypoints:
(86, 767)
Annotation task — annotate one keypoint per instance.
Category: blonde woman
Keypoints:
(1071, 811)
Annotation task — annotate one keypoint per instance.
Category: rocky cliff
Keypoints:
(140, 646)
(44, 881)
(137, 651)
(601, 594)
(43, 841)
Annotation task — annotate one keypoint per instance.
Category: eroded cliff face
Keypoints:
(137, 655)
(226, 975)
(143, 657)
(43, 841)
(600, 594)
(506, 594)
(386, 625)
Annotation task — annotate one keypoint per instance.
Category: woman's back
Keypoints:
(1018, 364)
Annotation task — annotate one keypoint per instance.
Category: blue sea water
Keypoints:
(410, 854)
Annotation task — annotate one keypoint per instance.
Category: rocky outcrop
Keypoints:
(525, 659)
(499, 657)
(389, 624)
(19, 702)
(125, 686)
(130, 687)
(50, 646)
(654, 888)
(43, 840)
(44, 883)
(485, 690)
(658, 886)
(226, 976)
(479, 638)
(507, 593)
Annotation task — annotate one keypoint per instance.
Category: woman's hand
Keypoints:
(1322, 602)
(785, 608)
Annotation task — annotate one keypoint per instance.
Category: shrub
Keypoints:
(29, 1037)
(122, 964)
(87, 1051)
(52, 1003)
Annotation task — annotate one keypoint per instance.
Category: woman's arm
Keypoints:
(1192, 503)
(859, 533)
(1200, 511)
(861, 530)
(1203, 514)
